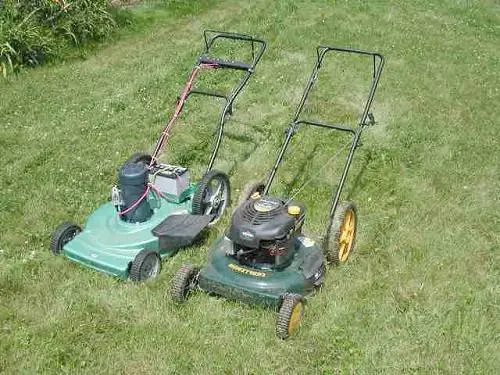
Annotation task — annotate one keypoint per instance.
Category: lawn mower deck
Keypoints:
(109, 244)
(264, 257)
(155, 209)
(227, 277)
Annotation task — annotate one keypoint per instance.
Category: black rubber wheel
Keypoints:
(146, 265)
(249, 189)
(140, 157)
(342, 233)
(289, 315)
(182, 283)
(212, 195)
(62, 235)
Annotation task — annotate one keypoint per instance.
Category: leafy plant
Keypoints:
(33, 31)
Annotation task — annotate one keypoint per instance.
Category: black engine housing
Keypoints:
(262, 231)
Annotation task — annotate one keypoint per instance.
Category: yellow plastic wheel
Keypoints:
(289, 315)
(342, 233)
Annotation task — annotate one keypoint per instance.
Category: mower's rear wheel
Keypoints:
(342, 233)
(62, 235)
(212, 195)
(182, 283)
(146, 265)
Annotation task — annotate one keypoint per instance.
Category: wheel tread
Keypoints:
(179, 288)
(197, 203)
(135, 268)
(285, 313)
(332, 253)
(55, 238)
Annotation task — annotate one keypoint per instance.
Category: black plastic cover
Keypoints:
(312, 264)
(265, 219)
(180, 230)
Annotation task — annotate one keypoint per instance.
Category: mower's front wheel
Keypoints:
(289, 315)
(146, 265)
(182, 283)
(211, 196)
(62, 235)
(342, 233)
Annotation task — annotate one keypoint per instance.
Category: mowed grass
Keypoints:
(420, 293)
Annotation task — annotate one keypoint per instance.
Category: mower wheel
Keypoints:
(62, 235)
(342, 233)
(211, 196)
(146, 265)
(289, 315)
(249, 189)
(140, 157)
(183, 281)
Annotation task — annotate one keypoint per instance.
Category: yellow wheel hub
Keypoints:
(295, 317)
(346, 237)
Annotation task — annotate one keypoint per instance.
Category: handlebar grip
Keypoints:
(225, 63)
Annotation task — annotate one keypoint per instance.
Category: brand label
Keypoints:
(247, 234)
(246, 271)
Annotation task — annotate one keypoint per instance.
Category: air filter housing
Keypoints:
(264, 219)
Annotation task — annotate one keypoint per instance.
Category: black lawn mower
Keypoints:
(264, 257)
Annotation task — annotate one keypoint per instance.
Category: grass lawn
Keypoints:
(420, 293)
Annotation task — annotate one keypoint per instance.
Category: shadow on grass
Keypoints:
(356, 184)
(301, 170)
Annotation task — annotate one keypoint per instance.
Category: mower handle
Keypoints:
(225, 63)
(211, 36)
(322, 50)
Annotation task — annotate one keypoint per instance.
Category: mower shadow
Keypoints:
(301, 170)
(202, 238)
(199, 241)
(250, 147)
(356, 184)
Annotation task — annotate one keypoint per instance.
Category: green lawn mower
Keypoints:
(264, 257)
(155, 209)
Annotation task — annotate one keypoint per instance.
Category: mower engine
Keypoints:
(134, 178)
(133, 183)
(262, 231)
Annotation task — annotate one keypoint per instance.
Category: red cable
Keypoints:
(185, 92)
(164, 135)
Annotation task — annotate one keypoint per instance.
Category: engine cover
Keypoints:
(263, 219)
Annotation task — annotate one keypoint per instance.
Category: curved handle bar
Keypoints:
(212, 35)
(322, 50)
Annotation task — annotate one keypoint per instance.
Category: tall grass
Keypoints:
(35, 31)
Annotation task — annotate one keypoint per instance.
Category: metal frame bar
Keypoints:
(210, 36)
(321, 51)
